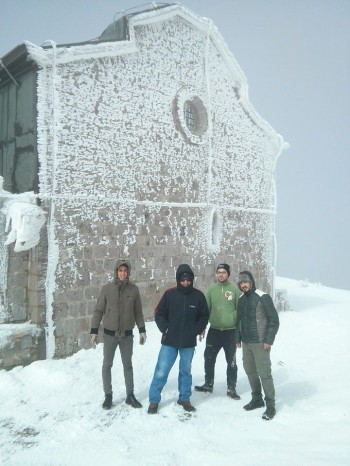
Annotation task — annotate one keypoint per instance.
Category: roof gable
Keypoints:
(110, 48)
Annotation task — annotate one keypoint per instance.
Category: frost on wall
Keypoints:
(112, 116)
(126, 176)
(23, 224)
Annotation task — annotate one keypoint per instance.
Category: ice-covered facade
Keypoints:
(148, 149)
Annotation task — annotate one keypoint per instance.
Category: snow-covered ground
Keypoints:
(50, 411)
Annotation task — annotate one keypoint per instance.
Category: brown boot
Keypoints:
(186, 406)
(153, 408)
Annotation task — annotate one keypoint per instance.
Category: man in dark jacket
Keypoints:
(182, 314)
(257, 325)
(119, 307)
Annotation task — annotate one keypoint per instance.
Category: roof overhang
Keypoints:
(15, 63)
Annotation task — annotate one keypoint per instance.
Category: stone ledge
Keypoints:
(20, 344)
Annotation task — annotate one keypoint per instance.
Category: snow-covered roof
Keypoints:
(125, 43)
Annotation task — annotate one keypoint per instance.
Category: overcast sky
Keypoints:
(296, 56)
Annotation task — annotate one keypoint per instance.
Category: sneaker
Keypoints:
(231, 392)
(254, 404)
(153, 408)
(186, 406)
(107, 404)
(132, 401)
(269, 414)
(206, 387)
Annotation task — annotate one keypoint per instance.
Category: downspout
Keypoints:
(282, 145)
(52, 248)
(273, 285)
(210, 126)
(211, 214)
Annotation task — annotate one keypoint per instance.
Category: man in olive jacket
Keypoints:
(119, 307)
(257, 325)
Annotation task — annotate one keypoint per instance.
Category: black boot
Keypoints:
(207, 387)
(269, 414)
(107, 404)
(231, 392)
(254, 404)
(132, 401)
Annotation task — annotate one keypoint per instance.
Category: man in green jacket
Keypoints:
(119, 307)
(222, 298)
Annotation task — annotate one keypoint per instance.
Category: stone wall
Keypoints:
(155, 252)
(20, 345)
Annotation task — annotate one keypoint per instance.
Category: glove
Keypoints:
(142, 338)
(94, 340)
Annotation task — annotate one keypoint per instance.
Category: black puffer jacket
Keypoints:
(182, 313)
(257, 318)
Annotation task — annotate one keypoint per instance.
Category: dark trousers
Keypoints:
(217, 339)
(125, 344)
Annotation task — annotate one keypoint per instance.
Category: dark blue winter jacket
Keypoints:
(182, 313)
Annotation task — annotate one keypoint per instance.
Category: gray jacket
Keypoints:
(118, 306)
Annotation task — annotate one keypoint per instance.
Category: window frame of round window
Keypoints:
(191, 116)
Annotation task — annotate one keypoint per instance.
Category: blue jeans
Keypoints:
(166, 359)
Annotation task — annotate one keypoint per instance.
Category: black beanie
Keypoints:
(224, 266)
(185, 275)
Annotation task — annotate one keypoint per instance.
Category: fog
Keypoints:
(295, 54)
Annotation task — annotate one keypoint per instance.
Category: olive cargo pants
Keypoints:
(257, 365)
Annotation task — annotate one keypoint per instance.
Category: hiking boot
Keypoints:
(206, 387)
(269, 414)
(254, 404)
(107, 404)
(231, 392)
(186, 406)
(132, 401)
(153, 408)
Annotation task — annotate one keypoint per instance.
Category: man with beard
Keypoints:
(257, 325)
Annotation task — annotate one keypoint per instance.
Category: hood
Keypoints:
(251, 278)
(182, 268)
(117, 264)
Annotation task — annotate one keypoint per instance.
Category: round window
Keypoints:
(195, 116)
(191, 117)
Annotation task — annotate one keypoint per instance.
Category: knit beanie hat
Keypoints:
(224, 266)
(244, 277)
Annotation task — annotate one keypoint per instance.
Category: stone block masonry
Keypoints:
(20, 344)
